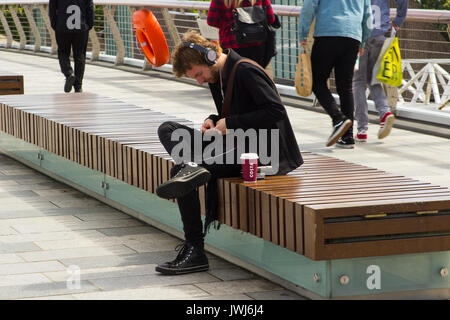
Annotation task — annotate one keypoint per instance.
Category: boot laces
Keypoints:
(184, 169)
(184, 251)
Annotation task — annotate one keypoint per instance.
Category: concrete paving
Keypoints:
(57, 243)
(49, 233)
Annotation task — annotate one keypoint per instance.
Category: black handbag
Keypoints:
(271, 48)
(250, 24)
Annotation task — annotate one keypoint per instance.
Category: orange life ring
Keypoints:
(151, 37)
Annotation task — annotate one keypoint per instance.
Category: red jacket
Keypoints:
(221, 17)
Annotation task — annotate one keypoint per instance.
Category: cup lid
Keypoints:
(247, 156)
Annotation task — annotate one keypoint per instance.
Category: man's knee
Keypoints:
(166, 129)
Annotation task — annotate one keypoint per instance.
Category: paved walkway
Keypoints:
(49, 232)
(57, 243)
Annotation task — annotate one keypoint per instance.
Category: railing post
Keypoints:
(9, 37)
(109, 14)
(170, 26)
(146, 65)
(95, 45)
(51, 32)
(23, 38)
(173, 32)
(34, 29)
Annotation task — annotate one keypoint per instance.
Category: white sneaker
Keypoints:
(386, 125)
(361, 136)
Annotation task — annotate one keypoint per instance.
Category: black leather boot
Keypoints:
(70, 80)
(190, 258)
(188, 178)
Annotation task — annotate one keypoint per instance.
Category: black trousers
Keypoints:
(338, 53)
(77, 42)
(189, 205)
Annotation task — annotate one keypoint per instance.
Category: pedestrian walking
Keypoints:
(342, 28)
(72, 20)
(382, 26)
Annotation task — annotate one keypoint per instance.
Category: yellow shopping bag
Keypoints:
(390, 71)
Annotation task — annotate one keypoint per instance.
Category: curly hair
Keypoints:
(183, 58)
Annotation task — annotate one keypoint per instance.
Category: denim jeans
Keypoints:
(362, 79)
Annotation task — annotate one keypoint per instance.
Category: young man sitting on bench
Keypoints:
(250, 112)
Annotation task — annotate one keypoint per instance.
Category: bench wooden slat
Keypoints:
(11, 84)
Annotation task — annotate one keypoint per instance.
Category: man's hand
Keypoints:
(221, 126)
(361, 52)
(207, 124)
(396, 27)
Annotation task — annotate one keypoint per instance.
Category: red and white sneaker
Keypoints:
(361, 136)
(386, 125)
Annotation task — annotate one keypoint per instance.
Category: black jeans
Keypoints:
(78, 43)
(189, 205)
(338, 53)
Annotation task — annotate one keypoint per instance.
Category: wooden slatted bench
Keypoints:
(10, 83)
(333, 209)
(325, 210)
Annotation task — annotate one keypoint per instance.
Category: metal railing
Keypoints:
(424, 41)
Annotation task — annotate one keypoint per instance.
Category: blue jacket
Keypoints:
(382, 18)
(336, 18)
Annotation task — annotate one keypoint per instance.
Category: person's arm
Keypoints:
(215, 13)
(269, 12)
(90, 14)
(52, 12)
(307, 15)
(268, 108)
(402, 9)
(367, 24)
(213, 117)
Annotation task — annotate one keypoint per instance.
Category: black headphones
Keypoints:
(208, 54)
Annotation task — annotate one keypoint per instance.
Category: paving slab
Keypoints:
(127, 282)
(44, 289)
(46, 255)
(10, 258)
(153, 293)
(238, 286)
(32, 267)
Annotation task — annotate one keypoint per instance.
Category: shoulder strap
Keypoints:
(226, 106)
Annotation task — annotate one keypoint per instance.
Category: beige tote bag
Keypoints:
(303, 74)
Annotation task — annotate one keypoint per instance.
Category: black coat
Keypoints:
(71, 15)
(256, 104)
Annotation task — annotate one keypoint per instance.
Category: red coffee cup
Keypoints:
(249, 163)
